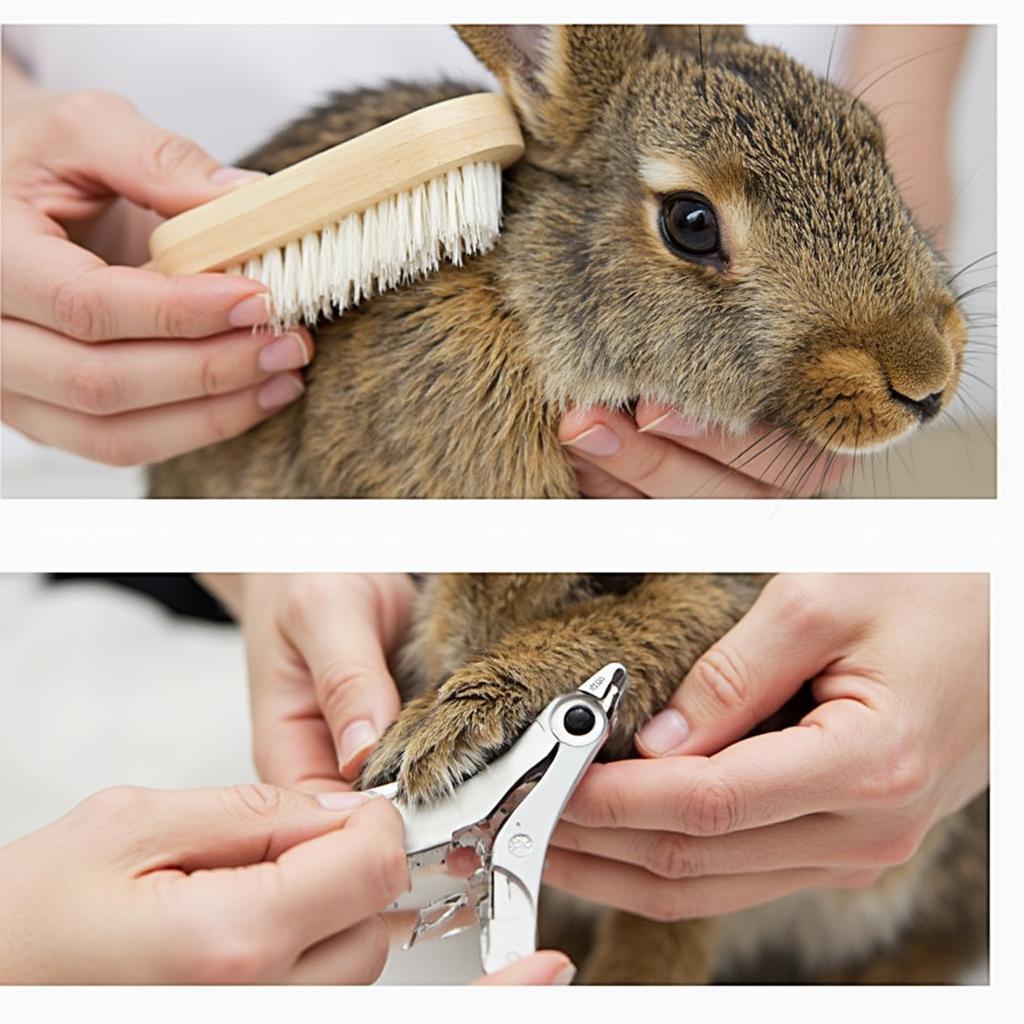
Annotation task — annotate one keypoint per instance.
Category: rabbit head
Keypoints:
(701, 221)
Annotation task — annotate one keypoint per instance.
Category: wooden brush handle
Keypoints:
(342, 180)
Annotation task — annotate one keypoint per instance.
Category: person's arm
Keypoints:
(112, 362)
(898, 739)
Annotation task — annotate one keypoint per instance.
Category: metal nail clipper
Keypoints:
(506, 814)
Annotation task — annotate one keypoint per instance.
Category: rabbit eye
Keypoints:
(690, 227)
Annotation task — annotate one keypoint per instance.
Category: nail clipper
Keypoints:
(506, 813)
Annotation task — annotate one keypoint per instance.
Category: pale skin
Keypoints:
(242, 885)
(708, 821)
(118, 364)
(907, 74)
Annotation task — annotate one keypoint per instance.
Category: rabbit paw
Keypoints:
(443, 738)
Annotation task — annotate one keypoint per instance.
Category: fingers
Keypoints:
(653, 466)
(768, 454)
(330, 883)
(126, 375)
(48, 280)
(758, 781)
(793, 631)
(105, 139)
(662, 455)
(816, 840)
(545, 967)
(230, 826)
(355, 957)
(633, 889)
(339, 627)
(151, 435)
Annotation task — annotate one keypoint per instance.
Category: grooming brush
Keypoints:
(370, 214)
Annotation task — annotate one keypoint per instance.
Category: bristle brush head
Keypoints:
(401, 238)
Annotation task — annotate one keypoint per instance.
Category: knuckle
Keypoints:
(168, 154)
(392, 874)
(258, 799)
(336, 685)
(114, 802)
(712, 809)
(209, 376)
(77, 111)
(805, 602)
(897, 779)
(114, 447)
(303, 599)
(80, 312)
(672, 856)
(95, 386)
(722, 679)
(178, 315)
(220, 422)
(896, 849)
(650, 465)
(228, 955)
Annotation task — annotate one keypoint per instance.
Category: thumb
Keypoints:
(546, 967)
(134, 158)
(789, 635)
(231, 826)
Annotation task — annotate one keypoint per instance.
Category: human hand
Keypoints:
(245, 884)
(114, 363)
(659, 454)
(317, 645)
(898, 739)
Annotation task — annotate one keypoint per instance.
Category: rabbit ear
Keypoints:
(557, 76)
(691, 39)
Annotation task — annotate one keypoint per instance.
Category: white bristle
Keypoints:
(400, 239)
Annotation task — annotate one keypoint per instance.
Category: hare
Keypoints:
(697, 220)
(486, 655)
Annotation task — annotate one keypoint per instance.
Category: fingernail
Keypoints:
(233, 176)
(342, 799)
(599, 440)
(279, 391)
(665, 732)
(289, 352)
(251, 311)
(565, 975)
(674, 425)
(355, 744)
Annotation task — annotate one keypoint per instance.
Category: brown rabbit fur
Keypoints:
(486, 655)
(826, 311)
(825, 306)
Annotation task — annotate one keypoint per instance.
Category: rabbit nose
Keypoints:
(926, 408)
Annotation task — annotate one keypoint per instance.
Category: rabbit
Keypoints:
(488, 652)
(697, 220)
